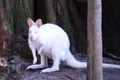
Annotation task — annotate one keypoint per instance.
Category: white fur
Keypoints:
(52, 42)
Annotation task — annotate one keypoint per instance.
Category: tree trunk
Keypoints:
(3, 33)
(94, 71)
(13, 24)
(50, 11)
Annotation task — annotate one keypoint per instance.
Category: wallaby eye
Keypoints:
(35, 32)
(29, 31)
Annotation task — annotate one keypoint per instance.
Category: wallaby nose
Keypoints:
(31, 38)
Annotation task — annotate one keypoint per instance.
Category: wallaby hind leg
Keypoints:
(55, 66)
(44, 63)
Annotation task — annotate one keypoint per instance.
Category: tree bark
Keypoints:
(3, 32)
(94, 70)
(13, 20)
(50, 11)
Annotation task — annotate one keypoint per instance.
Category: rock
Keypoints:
(3, 62)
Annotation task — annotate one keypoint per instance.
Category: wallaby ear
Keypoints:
(30, 22)
(39, 22)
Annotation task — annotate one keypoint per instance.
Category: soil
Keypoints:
(19, 71)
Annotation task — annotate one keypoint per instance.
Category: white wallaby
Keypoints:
(52, 42)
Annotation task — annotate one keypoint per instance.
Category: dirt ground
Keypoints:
(65, 72)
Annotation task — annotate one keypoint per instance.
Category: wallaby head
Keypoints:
(34, 28)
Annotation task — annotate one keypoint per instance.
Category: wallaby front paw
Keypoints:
(34, 61)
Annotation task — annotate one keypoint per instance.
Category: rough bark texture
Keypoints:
(94, 59)
(13, 28)
(3, 33)
(50, 10)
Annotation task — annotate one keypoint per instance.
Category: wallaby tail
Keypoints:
(110, 66)
(72, 62)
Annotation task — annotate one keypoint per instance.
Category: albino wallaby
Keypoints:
(52, 42)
